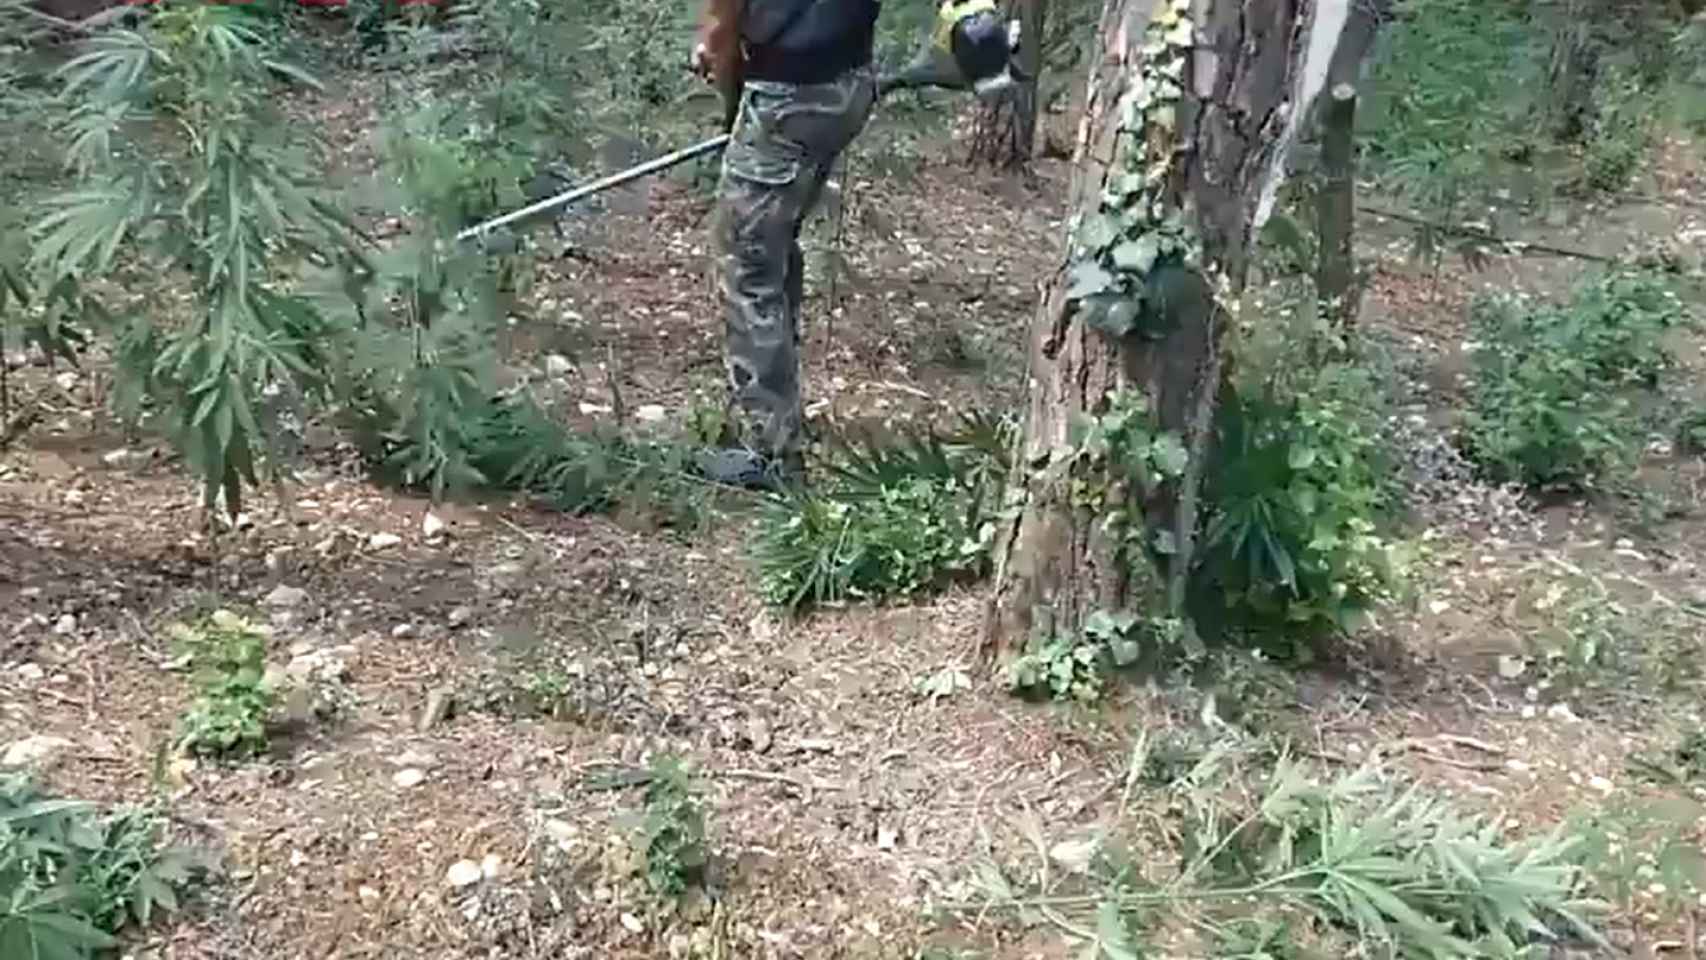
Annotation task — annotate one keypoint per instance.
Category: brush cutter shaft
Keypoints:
(598, 186)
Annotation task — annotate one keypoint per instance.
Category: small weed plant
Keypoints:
(72, 877)
(234, 701)
(671, 833)
(1059, 669)
(1644, 855)
(1554, 398)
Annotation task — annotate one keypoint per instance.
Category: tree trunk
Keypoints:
(1362, 27)
(1005, 132)
(1335, 207)
(1575, 73)
(1246, 73)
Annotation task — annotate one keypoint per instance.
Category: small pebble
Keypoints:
(463, 873)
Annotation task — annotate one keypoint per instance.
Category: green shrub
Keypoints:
(1298, 501)
(234, 702)
(1552, 402)
(70, 878)
(1620, 136)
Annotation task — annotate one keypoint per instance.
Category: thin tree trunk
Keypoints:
(1251, 70)
(1335, 207)
(1575, 72)
(1351, 57)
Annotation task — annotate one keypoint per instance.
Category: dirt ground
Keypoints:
(840, 801)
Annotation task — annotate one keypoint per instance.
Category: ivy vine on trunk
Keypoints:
(1192, 106)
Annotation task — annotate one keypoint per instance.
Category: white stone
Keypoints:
(66, 624)
(491, 867)
(408, 777)
(431, 525)
(415, 758)
(30, 671)
(286, 596)
(651, 413)
(35, 750)
(380, 541)
(463, 873)
(557, 365)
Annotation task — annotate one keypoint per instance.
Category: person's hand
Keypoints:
(700, 61)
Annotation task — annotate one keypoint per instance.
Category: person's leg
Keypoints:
(773, 173)
(762, 200)
(817, 174)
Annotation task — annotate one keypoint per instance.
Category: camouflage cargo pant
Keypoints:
(774, 169)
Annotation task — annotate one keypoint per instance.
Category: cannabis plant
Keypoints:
(900, 516)
(71, 877)
(1360, 861)
(186, 169)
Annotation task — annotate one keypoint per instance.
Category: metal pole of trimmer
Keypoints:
(598, 186)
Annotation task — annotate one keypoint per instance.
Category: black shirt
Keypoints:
(807, 41)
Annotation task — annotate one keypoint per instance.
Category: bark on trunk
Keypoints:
(1335, 206)
(1005, 132)
(1575, 73)
(1253, 68)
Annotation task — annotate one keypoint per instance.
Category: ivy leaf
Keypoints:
(1113, 314)
(1137, 255)
(1124, 185)
(944, 683)
(1109, 626)
(1088, 279)
(1169, 454)
(1098, 231)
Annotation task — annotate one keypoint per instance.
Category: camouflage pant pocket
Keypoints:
(754, 163)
